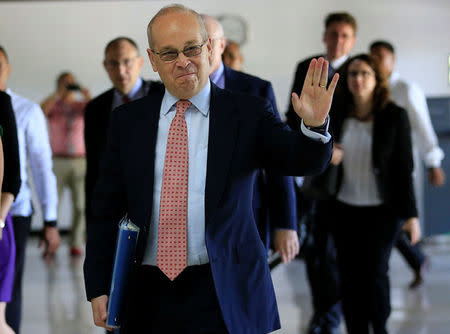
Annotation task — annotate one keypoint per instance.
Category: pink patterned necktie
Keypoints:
(172, 236)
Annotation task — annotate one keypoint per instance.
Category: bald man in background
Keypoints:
(274, 195)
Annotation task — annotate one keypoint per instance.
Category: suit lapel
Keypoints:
(146, 133)
(223, 131)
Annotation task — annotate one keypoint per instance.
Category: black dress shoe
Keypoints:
(320, 328)
(419, 275)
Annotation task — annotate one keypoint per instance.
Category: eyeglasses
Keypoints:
(364, 74)
(189, 51)
(114, 64)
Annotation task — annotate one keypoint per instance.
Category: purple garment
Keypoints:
(7, 260)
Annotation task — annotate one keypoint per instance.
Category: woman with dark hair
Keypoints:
(375, 192)
(10, 185)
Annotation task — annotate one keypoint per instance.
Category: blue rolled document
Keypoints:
(123, 264)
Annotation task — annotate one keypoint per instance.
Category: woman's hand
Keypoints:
(338, 154)
(412, 226)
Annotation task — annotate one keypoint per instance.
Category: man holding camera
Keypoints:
(65, 112)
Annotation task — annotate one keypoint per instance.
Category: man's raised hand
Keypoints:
(315, 99)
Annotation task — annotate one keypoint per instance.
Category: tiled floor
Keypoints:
(55, 300)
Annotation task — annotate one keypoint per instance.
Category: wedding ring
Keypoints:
(322, 86)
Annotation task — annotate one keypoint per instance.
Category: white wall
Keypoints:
(44, 38)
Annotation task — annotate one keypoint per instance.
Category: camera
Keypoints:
(73, 87)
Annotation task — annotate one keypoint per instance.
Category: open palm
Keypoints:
(315, 99)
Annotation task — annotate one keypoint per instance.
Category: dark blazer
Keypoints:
(11, 173)
(244, 135)
(391, 156)
(96, 121)
(274, 194)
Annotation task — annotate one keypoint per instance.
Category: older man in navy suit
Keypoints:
(274, 204)
(181, 162)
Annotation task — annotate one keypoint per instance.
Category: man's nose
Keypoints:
(122, 67)
(182, 60)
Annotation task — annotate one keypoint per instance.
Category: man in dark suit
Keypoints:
(274, 194)
(319, 252)
(123, 64)
(181, 163)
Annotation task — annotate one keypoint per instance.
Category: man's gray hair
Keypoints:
(175, 8)
(218, 26)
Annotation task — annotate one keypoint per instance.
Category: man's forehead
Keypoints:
(340, 27)
(121, 50)
(176, 29)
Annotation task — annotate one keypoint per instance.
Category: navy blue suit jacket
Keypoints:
(274, 202)
(244, 136)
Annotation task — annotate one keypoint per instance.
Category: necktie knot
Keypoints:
(182, 106)
(125, 99)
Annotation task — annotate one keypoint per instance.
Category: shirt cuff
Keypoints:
(324, 138)
(50, 214)
(434, 158)
(50, 223)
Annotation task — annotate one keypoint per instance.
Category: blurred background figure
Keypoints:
(273, 195)
(123, 64)
(319, 252)
(375, 193)
(65, 112)
(10, 185)
(426, 148)
(232, 56)
(36, 156)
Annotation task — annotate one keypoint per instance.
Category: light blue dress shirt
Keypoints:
(197, 120)
(34, 152)
(218, 77)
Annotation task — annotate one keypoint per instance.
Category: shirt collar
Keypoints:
(136, 88)
(394, 77)
(339, 62)
(217, 74)
(200, 101)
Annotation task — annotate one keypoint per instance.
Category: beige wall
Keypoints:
(44, 38)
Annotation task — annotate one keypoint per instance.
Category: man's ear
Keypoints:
(140, 62)
(223, 44)
(151, 56)
(209, 49)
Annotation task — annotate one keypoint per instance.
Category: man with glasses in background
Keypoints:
(123, 64)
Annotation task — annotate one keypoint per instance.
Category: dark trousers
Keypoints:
(187, 305)
(22, 226)
(321, 268)
(413, 254)
(364, 237)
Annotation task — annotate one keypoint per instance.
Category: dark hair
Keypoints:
(382, 44)
(117, 40)
(2, 50)
(61, 77)
(380, 93)
(342, 17)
